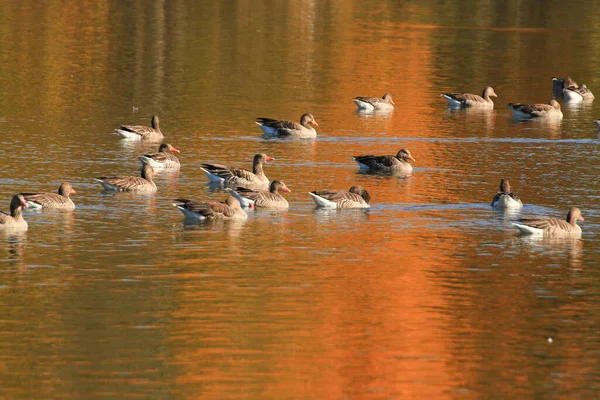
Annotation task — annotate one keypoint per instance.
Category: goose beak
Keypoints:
(174, 150)
(392, 102)
(314, 123)
(269, 158)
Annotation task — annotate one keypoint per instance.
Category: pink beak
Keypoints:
(174, 150)
(269, 158)
(314, 123)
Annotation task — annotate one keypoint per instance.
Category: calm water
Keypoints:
(429, 294)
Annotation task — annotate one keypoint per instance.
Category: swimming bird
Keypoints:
(14, 220)
(505, 198)
(281, 128)
(163, 159)
(551, 227)
(356, 197)
(140, 184)
(229, 209)
(375, 103)
(388, 164)
(239, 177)
(262, 198)
(141, 132)
(551, 110)
(578, 93)
(465, 100)
(60, 200)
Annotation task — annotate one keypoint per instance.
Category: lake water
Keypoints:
(428, 294)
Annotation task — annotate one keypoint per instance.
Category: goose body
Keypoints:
(384, 103)
(464, 100)
(14, 221)
(559, 84)
(578, 94)
(273, 128)
(141, 132)
(356, 197)
(263, 198)
(229, 209)
(163, 159)
(505, 198)
(386, 164)
(140, 184)
(551, 227)
(60, 200)
(551, 110)
(239, 177)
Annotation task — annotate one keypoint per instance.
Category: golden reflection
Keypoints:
(551, 125)
(556, 246)
(474, 115)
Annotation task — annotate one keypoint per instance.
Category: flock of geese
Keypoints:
(249, 189)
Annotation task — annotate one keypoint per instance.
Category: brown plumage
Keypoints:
(282, 128)
(356, 197)
(263, 198)
(60, 200)
(229, 209)
(143, 183)
(551, 227)
(536, 110)
(239, 177)
(142, 132)
(163, 158)
(386, 164)
(15, 219)
(505, 198)
(465, 100)
(386, 103)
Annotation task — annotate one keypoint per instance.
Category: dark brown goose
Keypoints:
(465, 100)
(505, 198)
(60, 200)
(386, 164)
(14, 220)
(142, 132)
(163, 159)
(229, 209)
(239, 177)
(551, 110)
(356, 197)
(263, 198)
(375, 103)
(282, 128)
(551, 227)
(143, 184)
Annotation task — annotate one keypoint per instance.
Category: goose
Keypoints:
(229, 209)
(239, 177)
(141, 132)
(143, 184)
(263, 198)
(551, 110)
(504, 198)
(551, 227)
(388, 164)
(375, 103)
(60, 200)
(465, 100)
(163, 158)
(559, 84)
(356, 197)
(578, 94)
(281, 128)
(14, 220)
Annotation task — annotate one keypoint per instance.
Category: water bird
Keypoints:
(263, 198)
(142, 132)
(551, 110)
(239, 177)
(281, 128)
(356, 197)
(387, 164)
(140, 184)
(229, 209)
(60, 200)
(163, 159)
(14, 220)
(464, 100)
(375, 103)
(505, 198)
(551, 227)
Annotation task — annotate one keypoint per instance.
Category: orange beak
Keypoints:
(174, 150)
(286, 189)
(314, 123)
(269, 158)
(392, 102)
(73, 190)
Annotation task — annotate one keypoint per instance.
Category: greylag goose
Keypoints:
(239, 177)
(356, 197)
(388, 164)
(551, 110)
(464, 100)
(163, 159)
(551, 227)
(229, 209)
(141, 132)
(578, 93)
(262, 198)
(14, 220)
(60, 200)
(143, 184)
(281, 128)
(375, 103)
(505, 198)
(558, 85)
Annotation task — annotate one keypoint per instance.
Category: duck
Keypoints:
(263, 198)
(14, 220)
(551, 110)
(505, 198)
(464, 100)
(551, 227)
(140, 184)
(280, 128)
(229, 209)
(141, 132)
(46, 201)
(578, 93)
(384, 103)
(355, 197)
(163, 159)
(559, 84)
(387, 164)
(239, 177)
